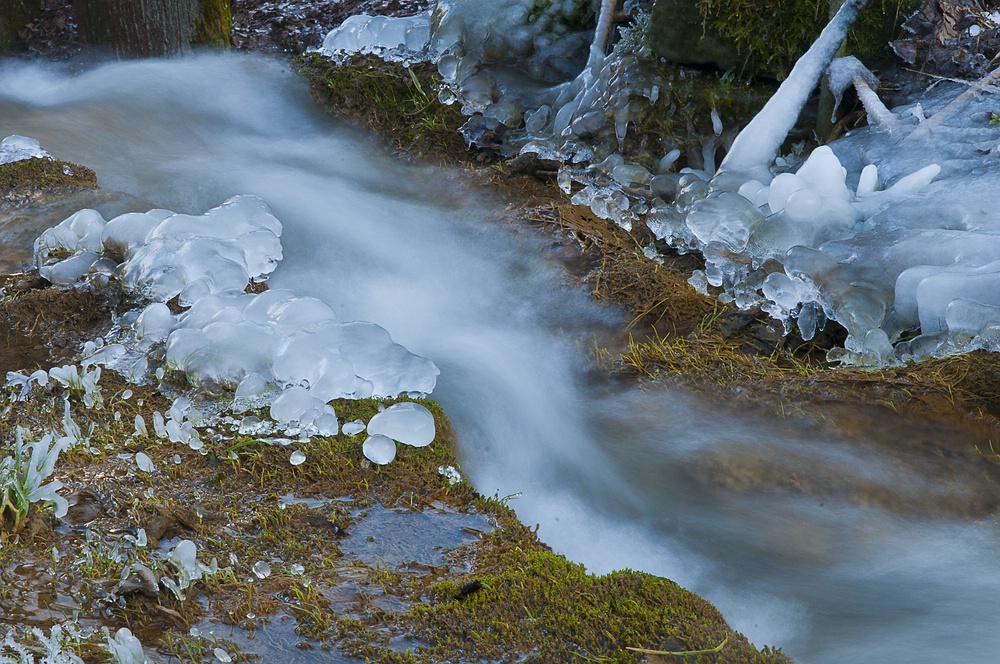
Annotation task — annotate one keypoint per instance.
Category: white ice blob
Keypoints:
(155, 322)
(354, 428)
(293, 403)
(406, 422)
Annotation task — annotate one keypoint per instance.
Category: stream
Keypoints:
(806, 536)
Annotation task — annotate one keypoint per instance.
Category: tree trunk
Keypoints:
(14, 15)
(150, 28)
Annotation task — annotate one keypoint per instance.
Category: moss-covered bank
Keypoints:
(397, 103)
(766, 37)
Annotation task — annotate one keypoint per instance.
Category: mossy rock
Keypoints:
(765, 37)
(678, 33)
(524, 603)
(40, 177)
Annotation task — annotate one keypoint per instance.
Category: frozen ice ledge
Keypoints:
(252, 343)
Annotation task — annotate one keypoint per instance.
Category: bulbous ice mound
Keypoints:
(407, 422)
(166, 254)
(292, 341)
(868, 231)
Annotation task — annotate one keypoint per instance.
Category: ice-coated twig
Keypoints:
(982, 85)
(605, 21)
(847, 71)
(758, 144)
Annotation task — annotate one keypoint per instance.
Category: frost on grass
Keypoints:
(53, 648)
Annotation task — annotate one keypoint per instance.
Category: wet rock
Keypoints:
(141, 580)
(85, 506)
(484, 135)
(732, 323)
(13, 15)
(530, 163)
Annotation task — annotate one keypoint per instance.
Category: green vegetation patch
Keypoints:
(398, 103)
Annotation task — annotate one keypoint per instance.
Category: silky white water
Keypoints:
(803, 540)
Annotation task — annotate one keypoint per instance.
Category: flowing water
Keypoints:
(822, 542)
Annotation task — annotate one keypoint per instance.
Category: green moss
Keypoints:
(397, 103)
(42, 176)
(214, 24)
(771, 36)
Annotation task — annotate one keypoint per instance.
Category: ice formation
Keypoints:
(16, 148)
(383, 35)
(254, 343)
(23, 476)
(407, 422)
(184, 560)
(125, 648)
(37, 647)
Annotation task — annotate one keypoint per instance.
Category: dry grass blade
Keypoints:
(683, 653)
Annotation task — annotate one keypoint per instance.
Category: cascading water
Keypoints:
(835, 549)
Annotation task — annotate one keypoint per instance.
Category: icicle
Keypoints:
(758, 144)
